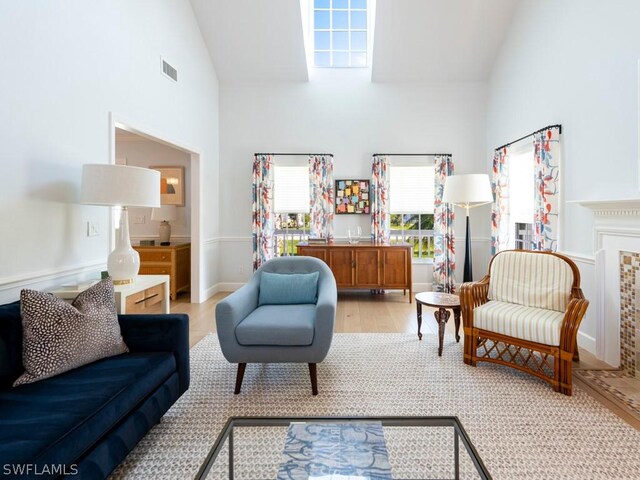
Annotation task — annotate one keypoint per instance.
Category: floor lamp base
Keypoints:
(468, 274)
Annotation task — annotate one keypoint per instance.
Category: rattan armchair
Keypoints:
(525, 314)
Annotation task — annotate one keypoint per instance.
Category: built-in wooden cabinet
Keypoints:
(365, 265)
(173, 260)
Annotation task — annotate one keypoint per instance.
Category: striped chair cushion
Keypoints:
(526, 323)
(531, 279)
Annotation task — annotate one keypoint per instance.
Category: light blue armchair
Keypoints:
(281, 333)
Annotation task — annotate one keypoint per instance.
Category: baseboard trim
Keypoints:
(222, 287)
(587, 342)
(422, 287)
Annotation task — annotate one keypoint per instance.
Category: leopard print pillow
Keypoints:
(58, 336)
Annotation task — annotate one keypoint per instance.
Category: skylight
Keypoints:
(340, 33)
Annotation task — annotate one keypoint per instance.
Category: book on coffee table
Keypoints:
(354, 450)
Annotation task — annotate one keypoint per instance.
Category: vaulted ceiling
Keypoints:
(414, 40)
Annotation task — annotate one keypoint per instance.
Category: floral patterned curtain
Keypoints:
(321, 195)
(263, 216)
(379, 200)
(547, 185)
(444, 261)
(500, 225)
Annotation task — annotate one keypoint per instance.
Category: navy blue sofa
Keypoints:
(83, 423)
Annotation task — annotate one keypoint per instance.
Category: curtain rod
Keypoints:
(558, 126)
(296, 154)
(413, 154)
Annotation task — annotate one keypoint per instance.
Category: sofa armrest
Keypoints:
(160, 333)
(472, 295)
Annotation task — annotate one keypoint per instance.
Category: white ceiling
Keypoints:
(414, 41)
(253, 40)
(438, 40)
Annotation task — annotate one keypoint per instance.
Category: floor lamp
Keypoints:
(121, 186)
(467, 191)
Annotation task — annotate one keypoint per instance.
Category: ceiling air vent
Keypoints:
(169, 71)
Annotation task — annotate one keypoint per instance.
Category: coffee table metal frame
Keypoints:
(459, 434)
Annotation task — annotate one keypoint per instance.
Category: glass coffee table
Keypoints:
(343, 448)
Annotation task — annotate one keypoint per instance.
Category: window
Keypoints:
(411, 197)
(291, 200)
(340, 33)
(521, 196)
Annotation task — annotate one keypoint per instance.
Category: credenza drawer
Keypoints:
(139, 302)
(159, 270)
(161, 256)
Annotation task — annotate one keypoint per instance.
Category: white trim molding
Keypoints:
(612, 208)
(21, 281)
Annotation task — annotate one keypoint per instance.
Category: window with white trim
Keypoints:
(340, 33)
(521, 197)
(291, 205)
(411, 205)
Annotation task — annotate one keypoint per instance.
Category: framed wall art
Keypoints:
(352, 196)
(171, 185)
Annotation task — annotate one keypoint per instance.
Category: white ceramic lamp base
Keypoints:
(123, 263)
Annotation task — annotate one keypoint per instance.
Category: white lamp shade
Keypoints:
(467, 190)
(411, 189)
(291, 189)
(165, 212)
(120, 185)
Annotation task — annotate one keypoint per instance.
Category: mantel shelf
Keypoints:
(621, 207)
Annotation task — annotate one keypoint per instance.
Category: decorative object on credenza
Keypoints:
(147, 243)
(172, 189)
(354, 234)
(468, 191)
(121, 186)
(352, 196)
(164, 215)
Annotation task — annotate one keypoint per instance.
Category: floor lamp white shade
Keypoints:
(121, 186)
(164, 214)
(467, 191)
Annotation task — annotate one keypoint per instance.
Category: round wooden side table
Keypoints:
(441, 301)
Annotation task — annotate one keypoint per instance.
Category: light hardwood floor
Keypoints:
(361, 312)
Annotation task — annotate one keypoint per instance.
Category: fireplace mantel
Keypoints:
(612, 208)
(616, 230)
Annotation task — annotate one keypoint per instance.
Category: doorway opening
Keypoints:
(179, 215)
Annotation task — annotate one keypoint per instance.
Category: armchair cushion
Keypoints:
(283, 325)
(531, 280)
(288, 289)
(519, 321)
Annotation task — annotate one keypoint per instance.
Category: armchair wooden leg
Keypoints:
(576, 354)
(239, 377)
(314, 378)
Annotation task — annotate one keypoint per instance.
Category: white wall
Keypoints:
(351, 118)
(147, 153)
(574, 62)
(68, 64)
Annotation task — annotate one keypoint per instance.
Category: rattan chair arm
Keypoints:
(571, 322)
(472, 295)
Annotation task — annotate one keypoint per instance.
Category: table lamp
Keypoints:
(121, 186)
(164, 215)
(468, 191)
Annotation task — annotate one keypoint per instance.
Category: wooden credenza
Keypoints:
(173, 260)
(366, 265)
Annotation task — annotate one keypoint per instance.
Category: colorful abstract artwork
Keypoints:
(352, 196)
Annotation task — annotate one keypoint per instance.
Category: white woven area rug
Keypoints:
(520, 427)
